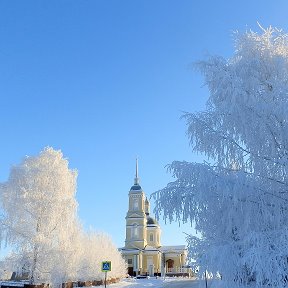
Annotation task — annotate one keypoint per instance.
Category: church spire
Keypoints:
(136, 179)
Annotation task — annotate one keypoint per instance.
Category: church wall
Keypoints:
(135, 244)
(135, 232)
(136, 201)
(156, 232)
(134, 263)
(139, 221)
(155, 260)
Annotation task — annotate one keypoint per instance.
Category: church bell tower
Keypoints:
(136, 217)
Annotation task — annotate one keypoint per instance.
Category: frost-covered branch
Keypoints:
(238, 205)
(41, 224)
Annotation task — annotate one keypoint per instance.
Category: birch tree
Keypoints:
(98, 247)
(238, 199)
(40, 211)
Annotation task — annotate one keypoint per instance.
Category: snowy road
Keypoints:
(158, 283)
(183, 284)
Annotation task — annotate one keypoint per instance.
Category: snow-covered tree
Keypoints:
(40, 213)
(98, 247)
(238, 199)
(41, 225)
(65, 266)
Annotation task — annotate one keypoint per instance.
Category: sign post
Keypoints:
(105, 267)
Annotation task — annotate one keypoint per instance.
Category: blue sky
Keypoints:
(106, 81)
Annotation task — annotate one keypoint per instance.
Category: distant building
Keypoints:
(143, 251)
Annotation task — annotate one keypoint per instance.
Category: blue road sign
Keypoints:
(106, 266)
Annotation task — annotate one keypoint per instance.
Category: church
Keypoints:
(143, 251)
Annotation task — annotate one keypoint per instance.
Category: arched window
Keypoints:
(135, 232)
(135, 204)
(170, 263)
(151, 237)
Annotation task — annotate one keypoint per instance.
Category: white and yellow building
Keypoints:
(143, 251)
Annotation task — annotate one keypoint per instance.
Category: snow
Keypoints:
(157, 283)
(138, 283)
(41, 223)
(238, 198)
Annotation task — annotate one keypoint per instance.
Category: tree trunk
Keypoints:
(35, 256)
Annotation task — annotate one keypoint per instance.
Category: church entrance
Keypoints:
(169, 265)
(130, 271)
(150, 266)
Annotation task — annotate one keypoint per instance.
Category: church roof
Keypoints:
(150, 248)
(173, 248)
(136, 187)
(151, 221)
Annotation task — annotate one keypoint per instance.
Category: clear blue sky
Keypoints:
(106, 81)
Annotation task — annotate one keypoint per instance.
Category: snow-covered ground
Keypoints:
(151, 283)
(158, 283)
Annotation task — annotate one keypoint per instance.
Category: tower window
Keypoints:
(129, 261)
(135, 204)
(151, 237)
(135, 232)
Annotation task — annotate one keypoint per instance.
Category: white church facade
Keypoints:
(143, 251)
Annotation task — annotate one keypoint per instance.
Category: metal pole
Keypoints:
(105, 278)
(164, 265)
(205, 279)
